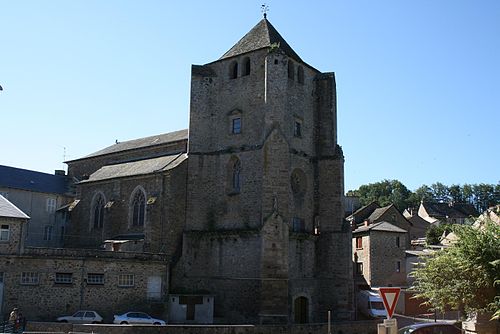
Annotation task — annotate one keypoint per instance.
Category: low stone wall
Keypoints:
(351, 327)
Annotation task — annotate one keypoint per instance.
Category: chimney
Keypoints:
(60, 172)
(367, 222)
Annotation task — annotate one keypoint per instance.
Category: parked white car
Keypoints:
(82, 317)
(137, 318)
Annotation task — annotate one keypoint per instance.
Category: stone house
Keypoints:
(12, 227)
(248, 206)
(373, 213)
(449, 213)
(39, 195)
(379, 255)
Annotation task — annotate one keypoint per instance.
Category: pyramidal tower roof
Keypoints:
(261, 36)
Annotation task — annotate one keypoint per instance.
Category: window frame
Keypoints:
(126, 280)
(47, 232)
(359, 268)
(51, 204)
(297, 128)
(97, 211)
(398, 268)
(95, 279)
(359, 242)
(298, 225)
(62, 278)
(247, 67)
(30, 278)
(5, 229)
(236, 120)
(300, 74)
(138, 208)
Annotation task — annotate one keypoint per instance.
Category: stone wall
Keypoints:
(45, 298)
(384, 255)
(352, 327)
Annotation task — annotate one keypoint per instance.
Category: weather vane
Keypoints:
(264, 9)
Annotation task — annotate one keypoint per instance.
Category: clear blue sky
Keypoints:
(418, 81)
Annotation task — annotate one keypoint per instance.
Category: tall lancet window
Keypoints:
(98, 211)
(236, 176)
(138, 208)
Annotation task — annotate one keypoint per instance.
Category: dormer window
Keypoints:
(246, 66)
(233, 70)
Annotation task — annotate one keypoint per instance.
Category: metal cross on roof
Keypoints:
(264, 9)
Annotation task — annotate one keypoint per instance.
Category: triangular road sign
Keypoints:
(390, 298)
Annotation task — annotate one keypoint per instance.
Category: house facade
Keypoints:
(39, 195)
(379, 255)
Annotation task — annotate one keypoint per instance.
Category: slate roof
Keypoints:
(381, 226)
(135, 168)
(364, 212)
(263, 35)
(9, 210)
(378, 212)
(456, 210)
(17, 178)
(140, 143)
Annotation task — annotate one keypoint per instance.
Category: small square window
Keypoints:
(359, 242)
(95, 279)
(30, 278)
(359, 268)
(297, 129)
(5, 233)
(126, 280)
(64, 278)
(236, 125)
(298, 224)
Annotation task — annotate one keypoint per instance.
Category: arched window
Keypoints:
(138, 208)
(246, 66)
(236, 179)
(233, 70)
(291, 70)
(98, 211)
(300, 75)
(233, 178)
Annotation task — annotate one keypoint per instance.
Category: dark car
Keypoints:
(431, 328)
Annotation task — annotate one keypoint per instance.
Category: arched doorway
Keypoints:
(301, 310)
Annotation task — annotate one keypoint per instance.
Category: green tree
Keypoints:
(440, 192)
(463, 276)
(455, 193)
(435, 232)
(384, 192)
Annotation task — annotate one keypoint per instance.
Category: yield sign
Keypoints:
(390, 298)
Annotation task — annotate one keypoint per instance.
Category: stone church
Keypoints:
(247, 205)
